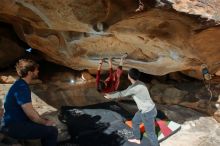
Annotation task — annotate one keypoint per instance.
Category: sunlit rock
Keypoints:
(158, 41)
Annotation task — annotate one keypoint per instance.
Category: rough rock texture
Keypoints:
(62, 86)
(158, 41)
(206, 8)
(59, 93)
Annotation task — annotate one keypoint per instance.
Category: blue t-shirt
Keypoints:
(18, 94)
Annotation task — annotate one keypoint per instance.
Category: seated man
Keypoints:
(112, 82)
(20, 119)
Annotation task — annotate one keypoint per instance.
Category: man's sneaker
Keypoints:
(137, 141)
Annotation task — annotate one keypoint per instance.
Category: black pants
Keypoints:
(30, 130)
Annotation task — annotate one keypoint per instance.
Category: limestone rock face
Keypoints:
(158, 41)
(206, 8)
(68, 88)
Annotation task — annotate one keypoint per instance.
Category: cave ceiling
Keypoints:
(179, 36)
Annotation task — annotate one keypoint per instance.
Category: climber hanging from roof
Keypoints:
(205, 72)
(207, 79)
(141, 5)
(111, 83)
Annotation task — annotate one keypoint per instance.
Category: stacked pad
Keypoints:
(164, 128)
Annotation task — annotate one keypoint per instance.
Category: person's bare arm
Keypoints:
(100, 64)
(34, 116)
(121, 62)
(110, 62)
(122, 59)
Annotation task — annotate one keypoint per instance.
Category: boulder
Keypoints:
(77, 34)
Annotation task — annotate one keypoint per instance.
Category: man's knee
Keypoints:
(136, 120)
(52, 131)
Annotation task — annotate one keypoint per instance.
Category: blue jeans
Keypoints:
(31, 130)
(148, 119)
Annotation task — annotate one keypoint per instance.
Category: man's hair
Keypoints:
(101, 86)
(23, 66)
(134, 73)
